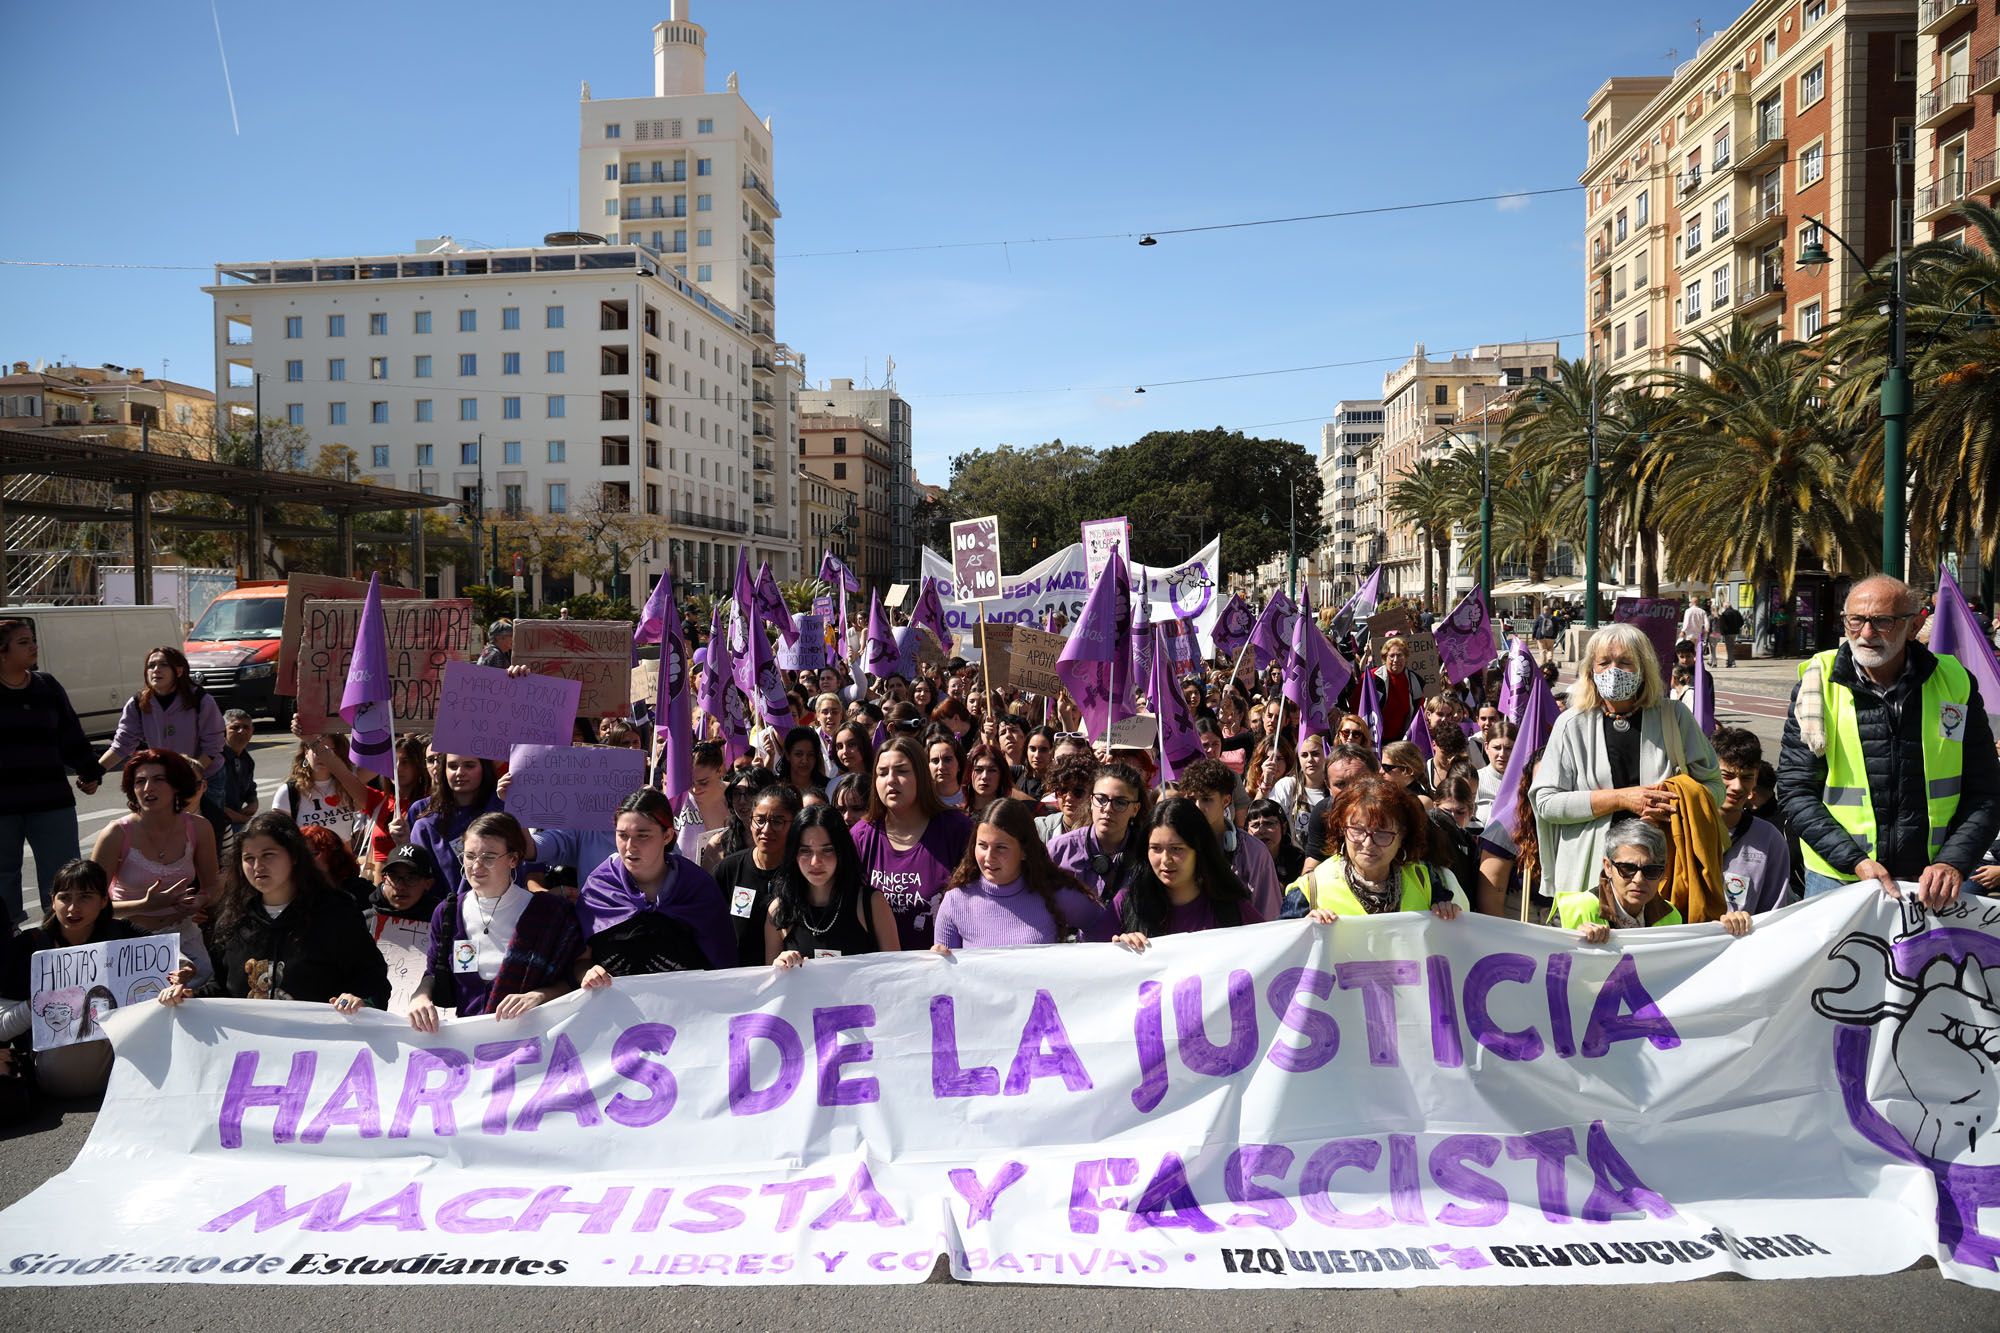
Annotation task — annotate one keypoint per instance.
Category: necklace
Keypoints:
(1619, 721)
(832, 918)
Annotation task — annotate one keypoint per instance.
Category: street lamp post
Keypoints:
(1895, 394)
(1593, 488)
(1292, 546)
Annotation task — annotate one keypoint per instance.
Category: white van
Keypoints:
(99, 653)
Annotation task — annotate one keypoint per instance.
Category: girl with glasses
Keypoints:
(496, 948)
(746, 878)
(1380, 835)
(1627, 896)
(821, 905)
(1103, 853)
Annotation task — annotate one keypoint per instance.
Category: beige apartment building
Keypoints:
(117, 405)
(1958, 77)
(855, 458)
(1703, 187)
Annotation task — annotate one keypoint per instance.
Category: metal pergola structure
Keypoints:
(143, 474)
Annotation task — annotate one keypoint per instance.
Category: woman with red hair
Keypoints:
(161, 857)
(1380, 833)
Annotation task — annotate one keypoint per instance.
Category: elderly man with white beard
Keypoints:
(1888, 771)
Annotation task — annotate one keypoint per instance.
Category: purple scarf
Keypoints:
(688, 894)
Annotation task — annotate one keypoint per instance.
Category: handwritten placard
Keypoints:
(485, 712)
(975, 558)
(1031, 659)
(71, 990)
(423, 636)
(809, 653)
(571, 786)
(301, 588)
(405, 943)
(597, 654)
(1102, 536)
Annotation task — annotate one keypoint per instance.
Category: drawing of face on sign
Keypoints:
(1190, 590)
(772, 688)
(1938, 1092)
(736, 712)
(1520, 670)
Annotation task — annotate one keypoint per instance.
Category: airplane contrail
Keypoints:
(227, 86)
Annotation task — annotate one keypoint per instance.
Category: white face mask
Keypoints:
(1616, 684)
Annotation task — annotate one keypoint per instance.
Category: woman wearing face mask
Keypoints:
(821, 905)
(81, 914)
(1007, 892)
(745, 878)
(910, 841)
(1105, 852)
(946, 756)
(1610, 754)
(1627, 896)
(646, 908)
(1185, 883)
(469, 790)
(1382, 834)
(495, 947)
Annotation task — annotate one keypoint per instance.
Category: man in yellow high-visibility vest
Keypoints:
(1888, 770)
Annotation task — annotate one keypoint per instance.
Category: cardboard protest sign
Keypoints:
(1031, 659)
(405, 944)
(71, 990)
(301, 588)
(486, 712)
(645, 682)
(975, 559)
(809, 653)
(571, 786)
(1659, 617)
(597, 654)
(423, 636)
(1396, 623)
(920, 646)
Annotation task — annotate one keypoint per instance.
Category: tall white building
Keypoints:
(594, 374)
(687, 173)
(1347, 455)
(886, 411)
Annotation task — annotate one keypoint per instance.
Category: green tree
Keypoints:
(1429, 497)
(1182, 487)
(1034, 491)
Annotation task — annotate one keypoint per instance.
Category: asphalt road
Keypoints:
(1916, 1299)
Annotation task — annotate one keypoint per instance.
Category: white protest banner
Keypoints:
(597, 654)
(486, 712)
(1397, 1102)
(571, 786)
(1102, 536)
(72, 991)
(1187, 591)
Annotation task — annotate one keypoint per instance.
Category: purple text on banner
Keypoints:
(486, 713)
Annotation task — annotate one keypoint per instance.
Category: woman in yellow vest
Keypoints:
(1382, 833)
(1628, 888)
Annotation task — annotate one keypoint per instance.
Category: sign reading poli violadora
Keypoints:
(1397, 1101)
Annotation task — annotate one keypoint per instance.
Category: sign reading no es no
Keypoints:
(975, 558)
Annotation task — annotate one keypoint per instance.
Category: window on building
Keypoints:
(1812, 85)
(553, 317)
(378, 367)
(468, 409)
(336, 414)
(295, 371)
(421, 321)
(1638, 330)
(468, 453)
(295, 413)
(426, 455)
(1770, 46)
(295, 326)
(1618, 229)
(704, 203)
(510, 409)
(1812, 165)
(336, 368)
(510, 317)
(611, 171)
(1720, 218)
(1618, 341)
(558, 451)
(704, 125)
(704, 166)
(840, 472)
(703, 236)
(704, 273)
(378, 323)
(1693, 295)
(510, 453)
(840, 444)
(1721, 151)
(1640, 211)
(557, 407)
(1441, 395)
(510, 363)
(468, 363)
(555, 364)
(378, 456)
(613, 130)
(468, 321)
(558, 497)
(1809, 317)
(378, 414)
(1718, 286)
(1906, 59)
(510, 499)
(1811, 13)
(336, 326)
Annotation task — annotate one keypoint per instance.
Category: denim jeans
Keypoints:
(51, 834)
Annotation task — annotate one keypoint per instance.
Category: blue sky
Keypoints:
(366, 125)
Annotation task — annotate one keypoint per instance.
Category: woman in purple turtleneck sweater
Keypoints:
(1006, 891)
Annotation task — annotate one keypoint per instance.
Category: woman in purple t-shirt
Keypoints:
(1184, 884)
(910, 843)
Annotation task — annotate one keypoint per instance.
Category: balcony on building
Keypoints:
(759, 260)
(1941, 195)
(760, 295)
(642, 212)
(1763, 284)
(753, 182)
(1768, 138)
(613, 316)
(1937, 15)
(761, 460)
(654, 173)
(1951, 96)
(614, 360)
(1687, 182)
(1983, 177)
(614, 406)
(1765, 215)
(1986, 73)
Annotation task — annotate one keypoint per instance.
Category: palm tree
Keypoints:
(1552, 429)
(1428, 498)
(1759, 471)
(1527, 502)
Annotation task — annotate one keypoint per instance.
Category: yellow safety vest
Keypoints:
(1574, 911)
(1942, 727)
(1334, 894)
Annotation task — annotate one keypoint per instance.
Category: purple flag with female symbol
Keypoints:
(1514, 681)
(834, 573)
(1315, 675)
(1362, 605)
(672, 709)
(1370, 709)
(880, 655)
(1096, 657)
(1955, 633)
(1271, 638)
(929, 614)
(1179, 744)
(771, 605)
(1465, 638)
(364, 703)
(1233, 624)
(1419, 734)
(719, 698)
(1537, 720)
(1142, 645)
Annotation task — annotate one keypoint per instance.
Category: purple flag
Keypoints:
(1465, 638)
(1537, 720)
(929, 613)
(1271, 638)
(879, 655)
(1096, 656)
(1315, 675)
(833, 572)
(364, 703)
(1362, 605)
(1419, 734)
(719, 698)
(1142, 645)
(672, 709)
(771, 605)
(1521, 672)
(1955, 633)
(1370, 709)
(1233, 624)
(1703, 697)
(1179, 745)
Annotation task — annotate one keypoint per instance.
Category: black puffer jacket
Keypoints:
(1891, 729)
